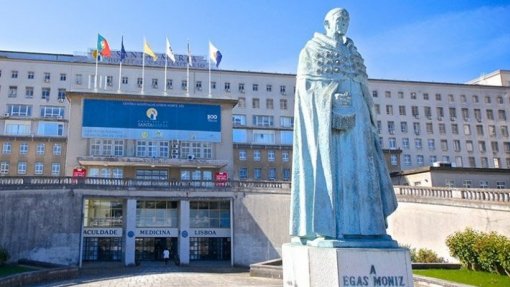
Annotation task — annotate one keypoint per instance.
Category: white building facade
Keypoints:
(464, 124)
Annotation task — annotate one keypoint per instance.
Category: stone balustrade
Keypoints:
(473, 194)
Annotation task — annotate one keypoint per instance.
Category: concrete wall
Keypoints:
(41, 225)
(261, 226)
(427, 224)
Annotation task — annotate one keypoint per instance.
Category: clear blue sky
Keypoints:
(425, 40)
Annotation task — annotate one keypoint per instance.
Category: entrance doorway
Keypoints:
(209, 248)
(151, 248)
(102, 248)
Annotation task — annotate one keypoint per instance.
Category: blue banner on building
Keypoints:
(151, 121)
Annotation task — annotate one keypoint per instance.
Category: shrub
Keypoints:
(424, 255)
(462, 246)
(4, 255)
(481, 251)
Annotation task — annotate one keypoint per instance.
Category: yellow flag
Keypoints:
(147, 50)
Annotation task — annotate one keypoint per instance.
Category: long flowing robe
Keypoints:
(340, 183)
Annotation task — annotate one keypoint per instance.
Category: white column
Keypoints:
(129, 232)
(184, 232)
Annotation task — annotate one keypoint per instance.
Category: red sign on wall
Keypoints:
(79, 172)
(221, 177)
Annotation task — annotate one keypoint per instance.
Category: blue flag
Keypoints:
(123, 53)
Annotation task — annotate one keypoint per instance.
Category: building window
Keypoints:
(55, 169)
(405, 143)
(502, 115)
(242, 154)
(432, 159)
(198, 85)
(40, 148)
(63, 77)
(467, 183)
(241, 103)
(256, 155)
(285, 156)
(402, 110)
(440, 113)
(286, 137)
(23, 148)
(243, 173)
(4, 168)
(497, 162)
(407, 160)
(184, 85)
(469, 146)
(431, 144)
(479, 130)
(392, 143)
(50, 129)
(78, 79)
(125, 80)
(239, 120)
(377, 109)
(492, 130)
(450, 183)
(478, 115)
(413, 96)
(428, 112)
(270, 155)
(269, 88)
(499, 100)
(415, 112)
(465, 114)
(241, 87)
(255, 103)
(287, 122)
(61, 95)
(379, 128)
(57, 149)
(484, 162)
(456, 145)
(286, 174)
(419, 160)
(17, 128)
(29, 92)
(429, 127)
(263, 137)
(467, 130)
(389, 109)
(283, 90)
(269, 104)
(387, 94)
(169, 84)
(239, 135)
(374, 94)
(500, 184)
(271, 174)
(444, 145)
(481, 146)
(416, 127)
(257, 173)
(394, 160)
(13, 91)
(455, 129)
(403, 127)
(263, 121)
(425, 96)
(14, 74)
(38, 168)
(438, 97)
(283, 104)
(450, 98)
(504, 131)
(6, 148)
(453, 114)
(47, 77)
(227, 86)
(463, 98)
(417, 143)
(154, 83)
(255, 87)
(45, 95)
(391, 127)
(22, 167)
(30, 75)
(472, 162)
(139, 83)
(52, 112)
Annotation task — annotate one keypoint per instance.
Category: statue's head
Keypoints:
(336, 22)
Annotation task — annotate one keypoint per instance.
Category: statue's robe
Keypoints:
(340, 183)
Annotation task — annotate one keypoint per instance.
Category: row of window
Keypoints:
(22, 168)
(431, 144)
(263, 121)
(24, 148)
(261, 136)
(153, 149)
(26, 111)
(31, 76)
(429, 127)
(24, 128)
(263, 174)
(440, 112)
(439, 97)
(468, 183)
(255, 103)
(271, 155)
(459, 162)
(29, 93)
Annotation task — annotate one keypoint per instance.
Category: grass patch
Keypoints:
(7, 270)
(475, 278)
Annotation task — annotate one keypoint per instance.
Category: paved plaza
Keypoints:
(209, 274)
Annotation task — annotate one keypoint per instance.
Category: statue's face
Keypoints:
(337, 23)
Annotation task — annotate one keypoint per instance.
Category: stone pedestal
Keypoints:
(307, 266)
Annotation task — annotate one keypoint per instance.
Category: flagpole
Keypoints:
(210, 95)
(95, 75)
(166, 63)
(187, 71)
(143, 68)
(120, 75)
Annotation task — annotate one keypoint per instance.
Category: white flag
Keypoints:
(169, 51)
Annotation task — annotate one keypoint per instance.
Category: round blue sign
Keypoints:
(184, 234)
(131, 234)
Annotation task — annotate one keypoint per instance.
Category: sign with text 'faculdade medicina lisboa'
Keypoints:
(151, 121)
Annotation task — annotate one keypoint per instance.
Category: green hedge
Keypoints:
(423, 255)
(481, 251)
